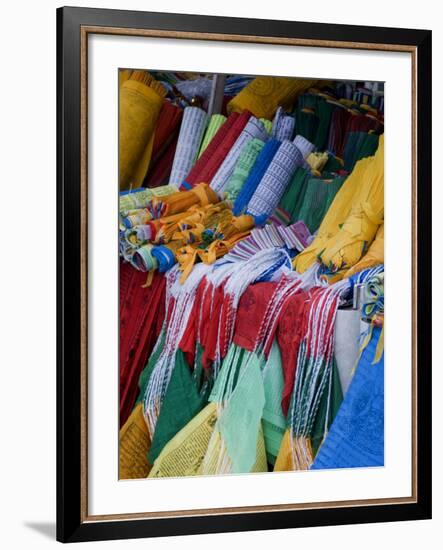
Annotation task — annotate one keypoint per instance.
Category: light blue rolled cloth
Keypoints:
(189, 139)
(275, 180)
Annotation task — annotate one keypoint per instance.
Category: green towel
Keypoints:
(242, 168)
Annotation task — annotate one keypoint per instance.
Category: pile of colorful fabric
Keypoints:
(240, 267)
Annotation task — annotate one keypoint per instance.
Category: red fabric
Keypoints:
(363, 123)
(188, 342)
(165, 143)
(211, 323)
(337, 132)
(215, 153)
(168, 124)
(193, 177)
(292, 327)
(160, 170)
(142, 312)
(251, 312)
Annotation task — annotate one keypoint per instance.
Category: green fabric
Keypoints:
(242, 168)
(267, 124)
(317, 199)
(293, 196)
(306, 122)
(239, 422)
(359, 145)
(273, 419)
(333, 164)
(181, 403)
(324, 111)
(215, 122)
(322, 418)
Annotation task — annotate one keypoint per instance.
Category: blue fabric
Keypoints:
(258, 170)
(356, 437)
(363, 276)
(164, 257)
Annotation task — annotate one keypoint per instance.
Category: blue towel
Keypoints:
(356, 437)
(258, 170)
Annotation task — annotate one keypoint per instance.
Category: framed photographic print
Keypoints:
(230, 192)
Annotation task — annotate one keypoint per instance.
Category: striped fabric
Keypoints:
(263, 161)
(215, 123)
(283, 125)
(294, 237)
(253, 129)
(275, 180)
(243, 167)
(189, 140)
(305, 146)
(194, 175)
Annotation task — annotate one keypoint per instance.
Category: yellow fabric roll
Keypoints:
(352, 219)
(264, 94)
(141, 99)
(181, 201)
(374, 256)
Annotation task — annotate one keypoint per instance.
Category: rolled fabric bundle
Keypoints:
(243, 168)
(141, 99)
(264, 94)
(374, 256)
(167, 128)
(215, 123)
(165, 255)
(139, 198)
(191, 132)
(253, 129)
(305, 146)
(358, 145)
(136, 217)
(143, 259)
(293, 197)
(218, 147)
(213, 164)
(138, 235)
(275, 180)
(283, 125)
(160, 171)
(337, 130)
(317, 199)
(267, 124)
(182, 200)
(352, 219)
(261, 164)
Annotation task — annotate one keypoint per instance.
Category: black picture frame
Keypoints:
(71, 524)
